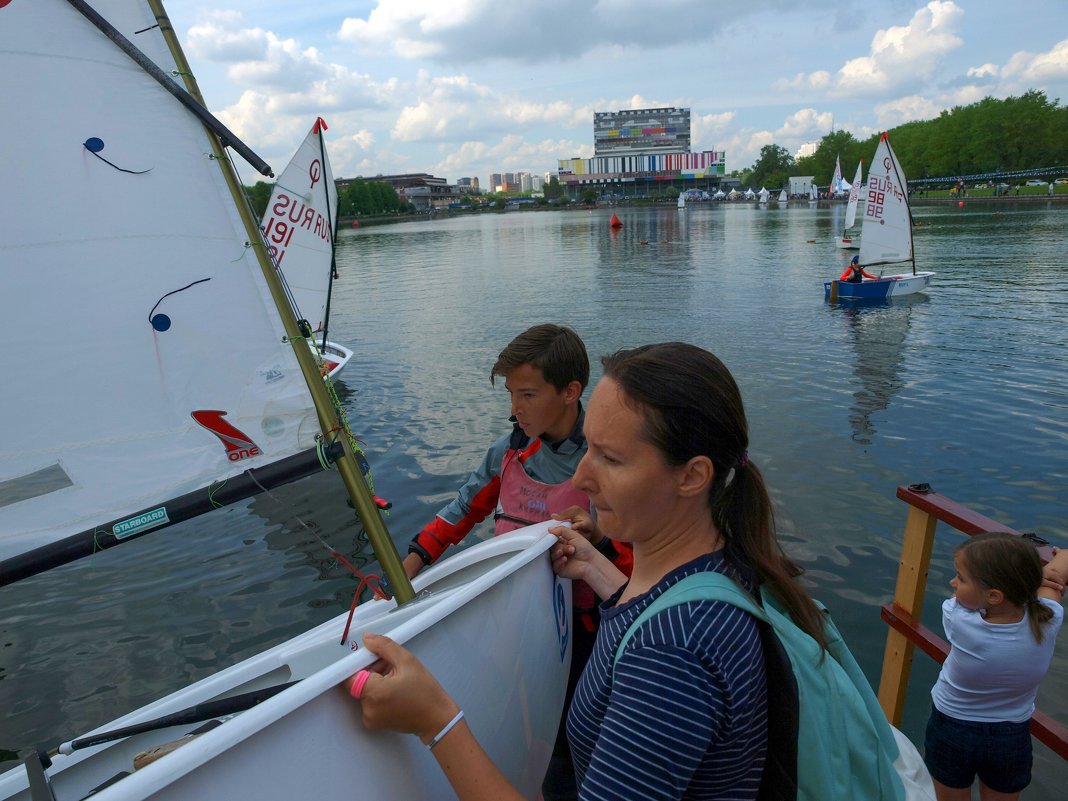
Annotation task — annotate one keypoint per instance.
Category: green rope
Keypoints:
(215, 485)
(343, 420)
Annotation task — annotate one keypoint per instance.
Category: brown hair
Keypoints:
(554, 349)
(692, 406)
(1001, 561)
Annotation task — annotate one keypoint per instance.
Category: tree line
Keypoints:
(359, 197)
(991, 135)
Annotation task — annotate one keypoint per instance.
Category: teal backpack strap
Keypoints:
(704, 586)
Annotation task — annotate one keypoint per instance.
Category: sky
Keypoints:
(466, 88)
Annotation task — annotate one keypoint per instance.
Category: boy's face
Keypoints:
(538, 406)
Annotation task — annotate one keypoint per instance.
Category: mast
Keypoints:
(359, 492)
(332, 217)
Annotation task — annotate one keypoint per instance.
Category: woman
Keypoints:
(683, 714)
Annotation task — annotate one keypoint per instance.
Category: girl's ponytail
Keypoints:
(1038, 615)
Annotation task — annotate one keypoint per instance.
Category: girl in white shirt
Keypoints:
(1001, 623)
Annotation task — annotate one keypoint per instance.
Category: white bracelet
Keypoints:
(446, 730)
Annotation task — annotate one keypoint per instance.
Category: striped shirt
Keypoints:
(686, 714)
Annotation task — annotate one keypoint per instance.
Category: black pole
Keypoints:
(192, 714)
(167, 513)
(332, 218)
(229, 139)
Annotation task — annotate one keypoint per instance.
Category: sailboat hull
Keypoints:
(493, 625)
(888, 286)
(847, 242)
(333, 357)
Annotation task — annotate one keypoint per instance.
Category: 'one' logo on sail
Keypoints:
(237, 443)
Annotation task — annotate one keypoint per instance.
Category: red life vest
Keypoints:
(524, 501)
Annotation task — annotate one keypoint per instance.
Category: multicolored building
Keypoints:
(641, 145)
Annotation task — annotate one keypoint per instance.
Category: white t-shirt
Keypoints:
(993, 669)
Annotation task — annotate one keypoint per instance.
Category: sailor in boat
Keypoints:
(854, 273)
(668, 471)
(525, 476)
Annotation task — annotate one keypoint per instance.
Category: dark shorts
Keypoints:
(956, 751)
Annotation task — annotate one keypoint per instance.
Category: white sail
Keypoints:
(298, 225)
(836, 179)
(139, 281)
(887, 221)
(682, 201)
(854, 199)
(813, 193)
(764, 195)
(782, 196)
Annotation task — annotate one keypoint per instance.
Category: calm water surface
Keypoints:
(965, 388)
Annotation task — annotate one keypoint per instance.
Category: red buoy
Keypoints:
(355, 223)
(615, 222)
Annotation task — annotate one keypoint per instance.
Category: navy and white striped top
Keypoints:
(686, 715)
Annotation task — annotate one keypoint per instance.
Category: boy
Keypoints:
(525, 477)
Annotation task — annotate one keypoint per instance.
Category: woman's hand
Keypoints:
(573, 556)
(582, 522)
(401, 694)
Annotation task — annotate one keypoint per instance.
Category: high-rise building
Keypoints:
(495, 182)
(645, 131)
(636, 146)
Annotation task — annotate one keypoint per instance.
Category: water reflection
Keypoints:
(879, 330)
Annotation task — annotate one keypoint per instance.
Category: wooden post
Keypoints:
(834, 291)
(911, 586)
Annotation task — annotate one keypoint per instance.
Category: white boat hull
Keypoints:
(494, 628)
(847, 242)
(333, 358)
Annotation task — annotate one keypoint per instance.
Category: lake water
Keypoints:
(965, 387)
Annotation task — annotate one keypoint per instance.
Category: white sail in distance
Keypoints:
(298, 225)
(146, 357)
(836, 179)
(854, 198)
(887, 222)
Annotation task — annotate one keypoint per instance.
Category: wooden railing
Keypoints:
(926, 508)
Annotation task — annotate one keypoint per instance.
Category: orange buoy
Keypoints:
(615, 222)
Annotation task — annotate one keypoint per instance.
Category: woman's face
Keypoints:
(627, 478)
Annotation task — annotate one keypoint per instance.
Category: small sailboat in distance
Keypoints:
(886, 235)
(846, 241)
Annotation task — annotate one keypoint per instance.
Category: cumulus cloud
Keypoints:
(899, 56)
(462, 31)
(1030, 68)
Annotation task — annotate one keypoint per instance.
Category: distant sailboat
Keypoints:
(887, 234)
(813, 193)
(299, 225)
(836, 179)
(782, 196)
(682, 201)
(846, 241)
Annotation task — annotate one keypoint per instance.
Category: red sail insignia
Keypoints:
(237, 443)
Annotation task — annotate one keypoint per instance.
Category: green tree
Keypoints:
(772, 168)
(259, 196)
(553, 188)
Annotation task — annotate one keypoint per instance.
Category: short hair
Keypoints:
(556, 350)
